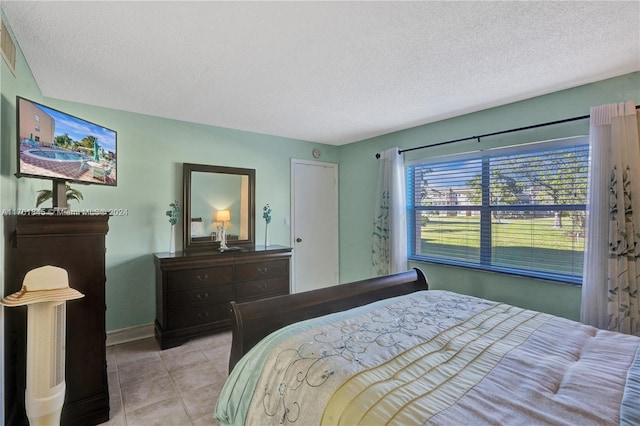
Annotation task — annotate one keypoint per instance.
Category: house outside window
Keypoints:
(518, 210)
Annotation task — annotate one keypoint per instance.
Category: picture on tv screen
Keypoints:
(55, 145)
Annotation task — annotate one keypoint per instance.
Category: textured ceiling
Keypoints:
(330, 72)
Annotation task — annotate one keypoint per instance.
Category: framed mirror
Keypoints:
(216, 196)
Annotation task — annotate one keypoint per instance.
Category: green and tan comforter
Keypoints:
(436, 357)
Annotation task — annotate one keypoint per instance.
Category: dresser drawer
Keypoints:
(193, 290)
(198, 315)
(200, 296)
(187, 279)
(260, 270)
(262, 288)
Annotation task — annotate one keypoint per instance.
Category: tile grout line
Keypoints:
(177, 389)
(124, 414)
(124, 411)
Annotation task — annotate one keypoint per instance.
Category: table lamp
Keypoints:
(222, 217)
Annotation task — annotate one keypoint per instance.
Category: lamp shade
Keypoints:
(223, 215)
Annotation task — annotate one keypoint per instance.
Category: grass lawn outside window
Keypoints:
(519, 210)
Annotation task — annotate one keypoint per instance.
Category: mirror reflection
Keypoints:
(219, 200)
(218, 206)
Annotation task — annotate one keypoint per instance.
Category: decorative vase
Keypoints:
(172, 240)
(266, 235)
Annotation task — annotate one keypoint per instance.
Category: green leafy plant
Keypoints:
(173, 213)
(266, 213)
(70, 193)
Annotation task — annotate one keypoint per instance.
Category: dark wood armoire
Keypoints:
(77, 244)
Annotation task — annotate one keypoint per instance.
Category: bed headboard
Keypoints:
(251, 321)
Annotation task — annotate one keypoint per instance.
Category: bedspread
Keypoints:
(436, 357)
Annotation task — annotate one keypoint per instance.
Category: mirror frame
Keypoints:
(187, 170)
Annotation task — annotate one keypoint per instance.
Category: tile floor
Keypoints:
(173, 387)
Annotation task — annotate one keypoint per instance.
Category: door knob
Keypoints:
(298, 240)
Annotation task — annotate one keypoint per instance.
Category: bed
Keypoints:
(389, 351)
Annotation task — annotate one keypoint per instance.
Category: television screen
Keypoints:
(58, 146)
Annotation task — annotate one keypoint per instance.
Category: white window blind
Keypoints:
(518, 210)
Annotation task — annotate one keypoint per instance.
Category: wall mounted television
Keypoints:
(61, 147)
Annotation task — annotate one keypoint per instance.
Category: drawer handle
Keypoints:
(202, 296)
(203, 277)
(263, 286)
(262, 269)
(202, 315)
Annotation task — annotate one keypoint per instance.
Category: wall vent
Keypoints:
(7, 48)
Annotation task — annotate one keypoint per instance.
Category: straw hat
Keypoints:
(44, 284)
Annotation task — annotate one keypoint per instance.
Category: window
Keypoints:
(517, 210)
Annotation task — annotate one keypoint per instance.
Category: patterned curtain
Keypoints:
(612, 251)
(389, 250)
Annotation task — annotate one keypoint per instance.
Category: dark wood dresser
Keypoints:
(77, 244)
(193, 289)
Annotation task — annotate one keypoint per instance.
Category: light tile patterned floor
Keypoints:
(177, 386)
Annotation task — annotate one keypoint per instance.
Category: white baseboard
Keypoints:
(130, 334)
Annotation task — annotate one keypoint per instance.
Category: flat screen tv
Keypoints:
(59, 146)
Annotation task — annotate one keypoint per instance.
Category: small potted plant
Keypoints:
(70, 193)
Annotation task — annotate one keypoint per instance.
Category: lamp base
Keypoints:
(223, 249)
(223, 237)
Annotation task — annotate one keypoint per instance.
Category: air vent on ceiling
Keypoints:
(7, 48)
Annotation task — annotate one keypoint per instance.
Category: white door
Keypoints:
(314, 224)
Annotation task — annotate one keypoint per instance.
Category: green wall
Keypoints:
(358, 171)
(151, 151)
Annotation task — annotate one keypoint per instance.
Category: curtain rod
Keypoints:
(534, 126)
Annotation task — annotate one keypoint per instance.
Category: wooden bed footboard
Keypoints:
(251, 321)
